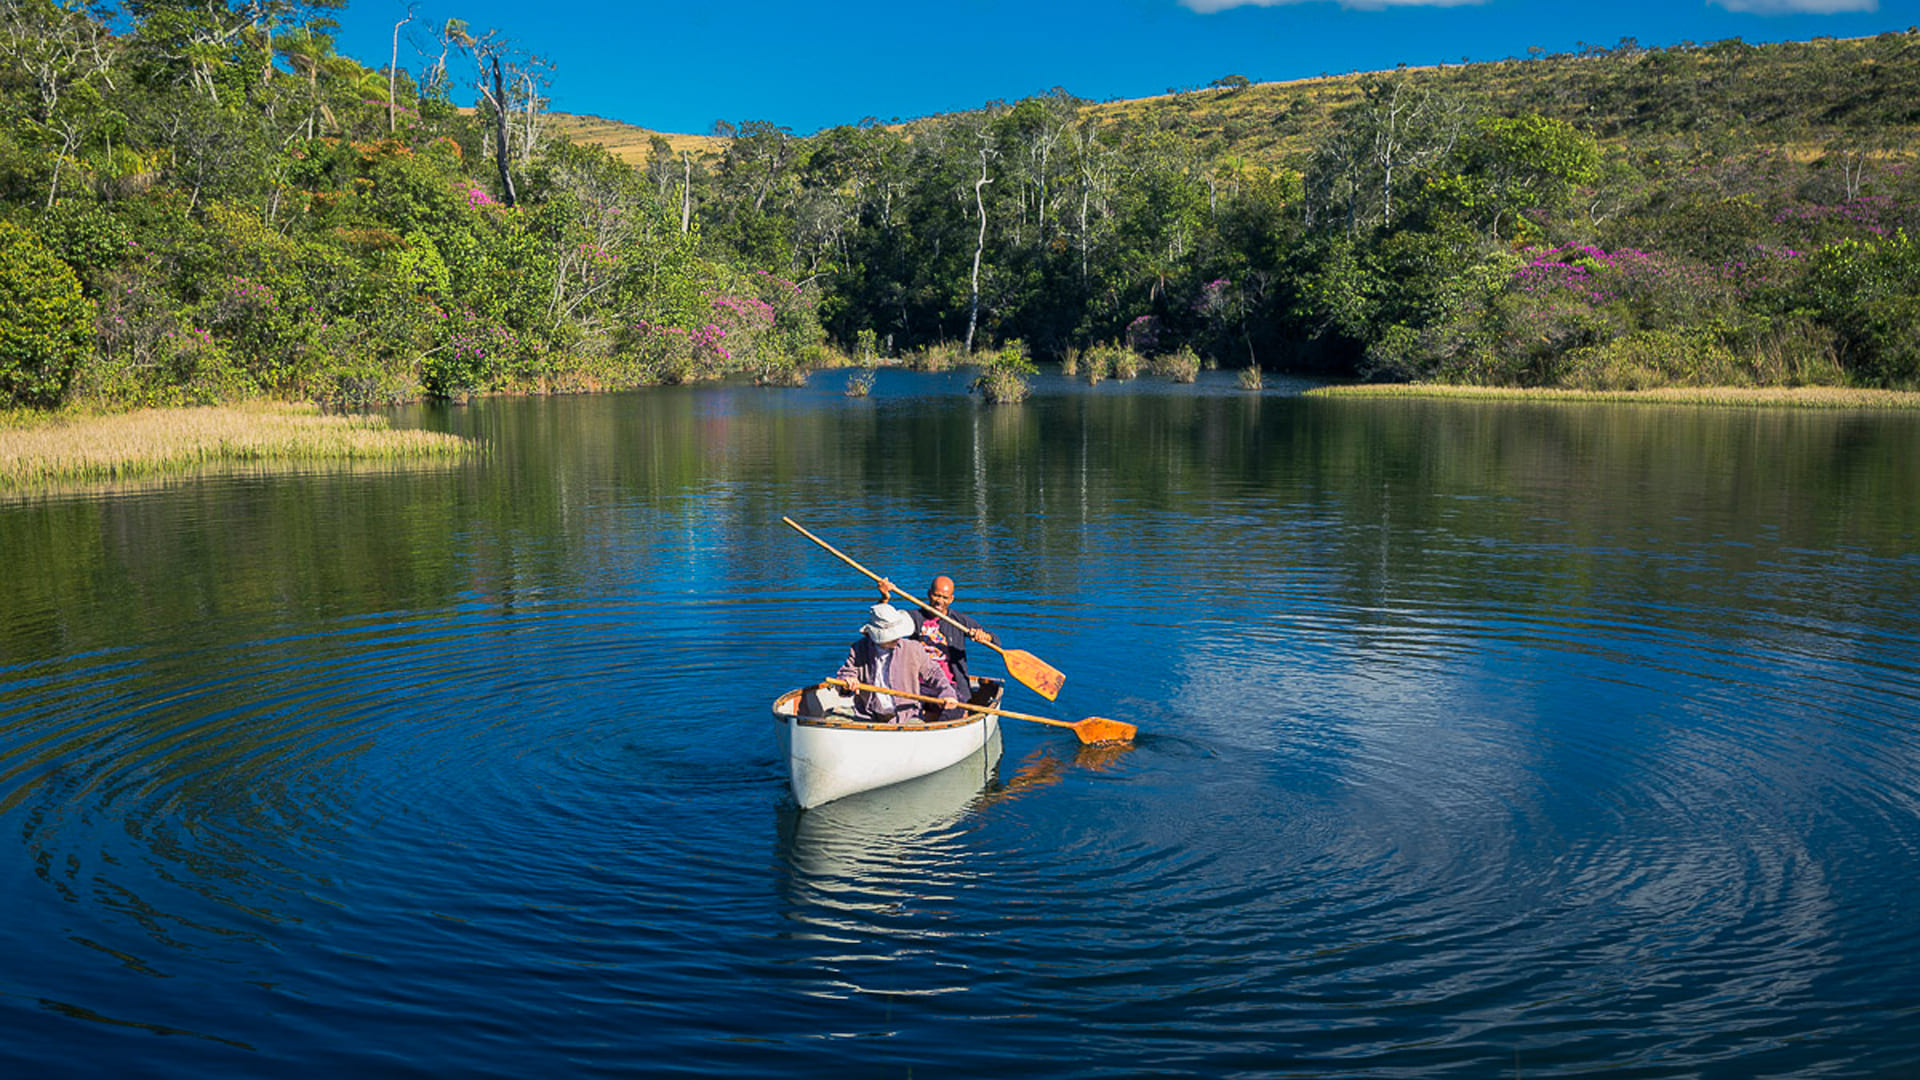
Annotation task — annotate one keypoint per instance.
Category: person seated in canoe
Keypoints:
(947, 645)
(885, 654)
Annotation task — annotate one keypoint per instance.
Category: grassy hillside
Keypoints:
(633, 145)
(1783, 96)
(1793, 96)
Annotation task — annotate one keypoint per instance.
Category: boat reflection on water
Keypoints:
(872, 879)
(878, 846)
(862, 841)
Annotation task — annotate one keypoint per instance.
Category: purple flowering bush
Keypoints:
(473, 351)
(1143, 334)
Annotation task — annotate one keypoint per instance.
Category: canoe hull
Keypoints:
(830, 758)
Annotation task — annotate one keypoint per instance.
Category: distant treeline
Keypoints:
(1614, 218)
(202, 201)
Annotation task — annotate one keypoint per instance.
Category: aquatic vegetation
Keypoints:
(939, 356)
(1250, 377)
(860, 384)
(62, 449)
(1070, 361)
(1006, 376)
(1112, 358)
(1181, 365)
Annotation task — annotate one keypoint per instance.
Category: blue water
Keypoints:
(1475, 741)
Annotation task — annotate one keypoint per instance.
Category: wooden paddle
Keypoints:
(1094, 729)
(1036, 673)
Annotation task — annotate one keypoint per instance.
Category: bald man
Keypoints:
(946, 645)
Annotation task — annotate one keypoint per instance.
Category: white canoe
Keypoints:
(831, 757)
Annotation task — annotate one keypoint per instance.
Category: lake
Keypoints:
(1475, 740)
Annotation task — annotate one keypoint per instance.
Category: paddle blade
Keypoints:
(1037, 674)
(1099, 729)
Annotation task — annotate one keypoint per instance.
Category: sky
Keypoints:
(680, 67)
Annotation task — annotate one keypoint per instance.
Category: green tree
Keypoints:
(1868, 292)
(46, 325)
(1513, 166)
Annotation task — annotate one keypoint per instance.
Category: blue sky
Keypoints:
(681, 66)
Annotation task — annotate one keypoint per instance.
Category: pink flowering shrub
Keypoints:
(473, 351)
(1143, 335)
(1589, 317)
(796, 331)
(670, 354)
(1815, 225)
(763, 325)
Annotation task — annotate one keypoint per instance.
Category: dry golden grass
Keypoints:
(41, 452)
(1791, 397)
(631, 144)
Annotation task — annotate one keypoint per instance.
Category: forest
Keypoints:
(202, 201)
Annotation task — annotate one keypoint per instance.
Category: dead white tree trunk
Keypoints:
(393, 70)
(686, 194)
(980, 204)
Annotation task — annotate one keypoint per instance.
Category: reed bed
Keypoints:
(940, 356)
(1251, 377)
(860, 384)
(1182, 365)
(1794, 397)
(67, 449)
(1111, 359)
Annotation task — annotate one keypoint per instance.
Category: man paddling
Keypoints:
(946, 645)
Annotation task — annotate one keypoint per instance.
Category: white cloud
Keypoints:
(1797, 7)
(1208, 7)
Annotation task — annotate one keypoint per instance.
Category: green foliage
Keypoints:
(1868, 293)
(474, 352)
(46, 325)
(250, 223)
(1181, 365)
(1006, 375)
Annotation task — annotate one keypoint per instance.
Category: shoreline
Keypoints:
(1729, 397)
(62, 450)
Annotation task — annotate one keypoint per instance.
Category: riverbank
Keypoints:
(1789, 397)
(39, 450)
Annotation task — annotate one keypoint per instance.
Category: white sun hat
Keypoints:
(887, 623)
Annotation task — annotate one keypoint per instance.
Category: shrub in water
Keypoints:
(936, 357)
(1006, 376)
(1182, 365)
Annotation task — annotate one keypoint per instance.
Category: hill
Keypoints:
(1797, 96)
(631, 144)
(1789, 94)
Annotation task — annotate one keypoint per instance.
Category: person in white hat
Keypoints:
(885, 654)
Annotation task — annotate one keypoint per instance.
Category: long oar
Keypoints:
(1094, 729)
(1039, 675)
